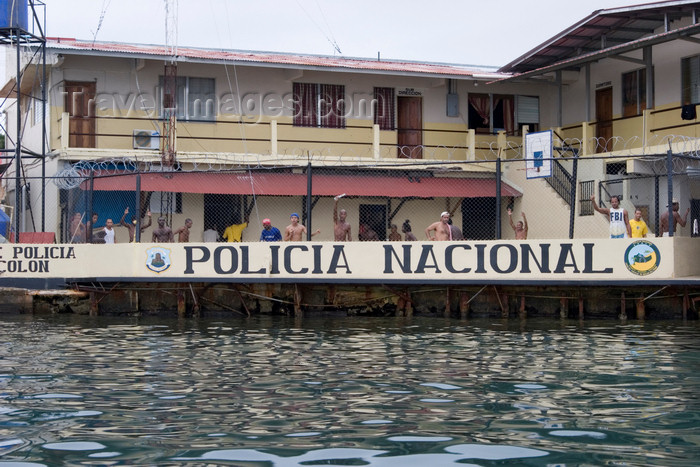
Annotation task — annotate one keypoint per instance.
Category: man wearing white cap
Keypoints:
(441, 228)
(269, 233)
(663, 224)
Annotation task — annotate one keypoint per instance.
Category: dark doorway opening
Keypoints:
(372, 219)
(479, 218)
(220, 211)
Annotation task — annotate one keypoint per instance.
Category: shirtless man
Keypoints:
(441, 228)
(295, 231)
(183, 233)
(76, 228)
(341, 228)
(90, 229)
(394, 235)
(520, 228)
(663, 224)
(131, 226)
(162, 233)
(406, 229)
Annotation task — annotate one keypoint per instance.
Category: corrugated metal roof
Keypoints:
(573, 62)
(605, 29)
(284, 60)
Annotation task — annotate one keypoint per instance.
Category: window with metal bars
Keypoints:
(319, 105)
(586, 189)
(384, 108)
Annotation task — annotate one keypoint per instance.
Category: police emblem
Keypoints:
(158, 259)
(642, 257)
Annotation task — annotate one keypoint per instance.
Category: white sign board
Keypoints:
(538, 154)
(461, 262)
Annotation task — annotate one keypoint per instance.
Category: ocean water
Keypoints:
(78, 390)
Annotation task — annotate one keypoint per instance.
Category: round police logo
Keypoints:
(158, 259)
(642, 257)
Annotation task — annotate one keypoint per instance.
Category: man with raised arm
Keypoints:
(131, 225)
(618, 217)
(663, 221)
(520, 228)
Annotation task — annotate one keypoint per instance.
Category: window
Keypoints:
(490, 113)
(690, 80)
(527, 111)
(634, 92)
(616, 168)
(164, 203)
(195, 98)
(586, 191)
(384, 108)
(37, 107)
(319, 105)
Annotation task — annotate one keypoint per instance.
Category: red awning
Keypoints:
(282, 184)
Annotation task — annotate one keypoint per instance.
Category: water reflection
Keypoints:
(347, 392)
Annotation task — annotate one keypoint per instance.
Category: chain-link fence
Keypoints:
(405, 200)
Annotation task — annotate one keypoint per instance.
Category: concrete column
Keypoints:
(585, 138)
(471, 145)
(273, 137)
(376, 147)
(65, 130)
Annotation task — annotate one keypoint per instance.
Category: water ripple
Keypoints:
(84, 390)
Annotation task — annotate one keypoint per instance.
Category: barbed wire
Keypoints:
(654, 153)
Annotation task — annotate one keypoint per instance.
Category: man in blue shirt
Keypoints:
(269, 233)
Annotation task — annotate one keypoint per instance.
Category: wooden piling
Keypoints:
(464, 305)
(297, 302)
(623, 307)
(94, 307)
(181, 304)
(521, 312)
(409, 304)
(563, 307)
(504, 310)
(448, 303)
(195, 302)
(641, 314)
(580, 308)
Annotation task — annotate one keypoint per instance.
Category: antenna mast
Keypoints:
(170, 85)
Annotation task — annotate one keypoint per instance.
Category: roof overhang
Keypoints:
(290, 184)
(28, 81)
(607, 28)
(681, 33)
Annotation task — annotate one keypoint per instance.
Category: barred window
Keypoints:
(690, 80)
(319, 105)
(385, 108)
(585, 192)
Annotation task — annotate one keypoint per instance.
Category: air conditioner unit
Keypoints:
(146, 139)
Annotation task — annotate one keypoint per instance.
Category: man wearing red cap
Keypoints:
(269, 233)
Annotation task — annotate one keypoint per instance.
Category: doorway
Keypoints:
(79, 102)
(603, 117)
(410, 127)
(221, 210)
(372, 218)
(479, 218)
